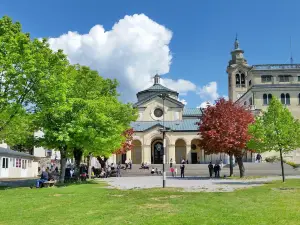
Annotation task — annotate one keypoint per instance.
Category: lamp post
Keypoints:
(164, 130)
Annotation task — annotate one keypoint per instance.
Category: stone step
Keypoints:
(248, 166)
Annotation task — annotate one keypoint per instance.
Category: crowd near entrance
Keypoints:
(188, 151)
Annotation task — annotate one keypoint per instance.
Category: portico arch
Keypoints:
(157, 151)
(136, 152)
(180, 150)
(197, 155)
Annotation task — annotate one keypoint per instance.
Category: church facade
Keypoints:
(159, 107)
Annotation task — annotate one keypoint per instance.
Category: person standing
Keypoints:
(119, 170)
(211, 169)
(172, 171)
(182, 170)
(171, 163)
(130, 164)
(215, 170)
(258, 158)
(218, 170)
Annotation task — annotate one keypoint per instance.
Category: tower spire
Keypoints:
(236, 42)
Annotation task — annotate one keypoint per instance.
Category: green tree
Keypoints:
(275, 130)
(31, 74)
(20, 133)
(91, 120)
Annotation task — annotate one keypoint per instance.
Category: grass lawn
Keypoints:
(93, 204)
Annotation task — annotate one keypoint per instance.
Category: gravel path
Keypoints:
(189, 184)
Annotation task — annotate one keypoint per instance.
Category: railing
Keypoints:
(276, 66)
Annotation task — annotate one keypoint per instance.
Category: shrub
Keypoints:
(294, 165)
(272, 159)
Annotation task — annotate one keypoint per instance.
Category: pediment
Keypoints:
(169, 102)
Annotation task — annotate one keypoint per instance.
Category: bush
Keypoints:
(272, 159)
(294, 165)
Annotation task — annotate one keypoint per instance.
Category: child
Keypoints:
(175, 171)
(172, 171)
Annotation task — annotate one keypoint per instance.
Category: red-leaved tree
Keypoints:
(224, 129)
(127, 144)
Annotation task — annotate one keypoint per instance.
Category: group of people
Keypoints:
(174, 170)
(45, 176)
(215, 169)
(128, 164)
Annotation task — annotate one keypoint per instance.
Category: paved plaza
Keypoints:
(190, 184)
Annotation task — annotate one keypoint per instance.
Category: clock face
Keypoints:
(239, 55)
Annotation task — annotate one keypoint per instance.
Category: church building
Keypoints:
(159, 107)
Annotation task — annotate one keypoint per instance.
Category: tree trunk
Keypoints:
(282, 168)
(77, 152)
(101, 161)
(241, 166)
(63, 164)
(90, 165)
(230, 164)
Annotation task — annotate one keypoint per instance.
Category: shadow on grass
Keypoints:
(191, 178)
(242, 183)
(30, 183)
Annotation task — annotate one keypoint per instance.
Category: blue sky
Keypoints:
(203, 31)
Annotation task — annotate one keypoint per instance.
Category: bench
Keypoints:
(48, 183)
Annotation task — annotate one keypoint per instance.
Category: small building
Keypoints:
(15, 164)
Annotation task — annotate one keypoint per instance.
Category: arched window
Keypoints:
(287, 99)
(265, 98)
(243, 82)
(250, 101)
(237, 80)
(245, 103)
(269, 98)
(282, 98)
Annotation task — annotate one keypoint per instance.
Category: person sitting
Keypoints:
(152, 171)
(44, 178)
(157, 171)
(146, 166)
(102, 173)
(142, 166)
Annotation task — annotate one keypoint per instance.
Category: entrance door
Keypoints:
(123, 158)
(158, 153)
(24, 168)
(4, 167)
(194, 158)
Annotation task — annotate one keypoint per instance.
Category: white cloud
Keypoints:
(204, 104)
(183, 101)
(209, 92)
(133, 51)
(181, 86)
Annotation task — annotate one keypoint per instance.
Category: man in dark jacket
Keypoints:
(182, 170)
(44, 178)
(211, 169)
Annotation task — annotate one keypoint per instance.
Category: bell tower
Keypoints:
(237, 72)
